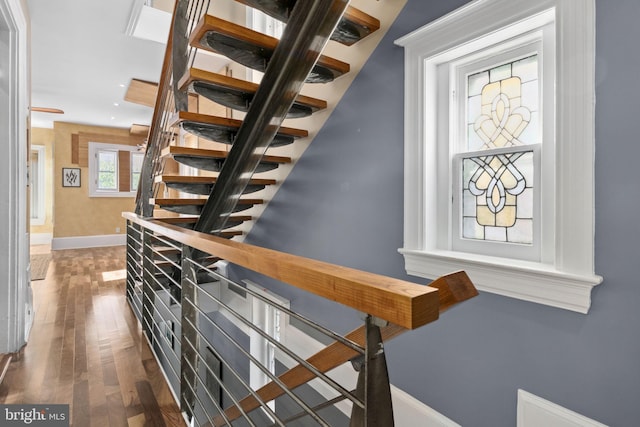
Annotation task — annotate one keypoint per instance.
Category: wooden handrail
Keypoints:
(402, 303)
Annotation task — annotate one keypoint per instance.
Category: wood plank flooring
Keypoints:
(86, 349)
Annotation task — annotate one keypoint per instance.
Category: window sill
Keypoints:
(528, 281)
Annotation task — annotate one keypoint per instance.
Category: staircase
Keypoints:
(227, 158)
(208, 173)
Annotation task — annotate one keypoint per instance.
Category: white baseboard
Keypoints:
(81, 242)
(40, 238)
(534, 411)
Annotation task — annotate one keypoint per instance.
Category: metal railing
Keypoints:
(169, 100)
(230, 364)
(225, 364)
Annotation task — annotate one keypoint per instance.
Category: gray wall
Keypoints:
(343, 204)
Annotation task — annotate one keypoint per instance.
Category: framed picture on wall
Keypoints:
(71, 177)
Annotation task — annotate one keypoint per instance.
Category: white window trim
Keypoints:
(566, 280)
(94, 147)
(39, 185)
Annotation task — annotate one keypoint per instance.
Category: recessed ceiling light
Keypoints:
(115, 104)
(113, 118)
(121, 85)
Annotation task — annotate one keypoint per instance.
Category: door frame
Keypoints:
(15, 291)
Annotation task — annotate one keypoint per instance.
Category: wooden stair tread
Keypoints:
(198, 202)
(179, 219)
(364, 23)
(225, 130)
(177, 202)
(213, 160)
(193, 219)
(265, 45)
(195, 206)
(190, 220)
(361, 18)
(165, 250)
(205, 179)
(203, 185)
(242, 88)
(174, 150)
(186, 116)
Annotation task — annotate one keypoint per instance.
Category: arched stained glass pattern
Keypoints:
(502, 113)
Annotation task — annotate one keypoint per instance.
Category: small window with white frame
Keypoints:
(107, 170)
(498, 135)
(114, 170)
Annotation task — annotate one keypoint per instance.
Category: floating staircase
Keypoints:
(234, 166)
(231, 158)
(190, 197)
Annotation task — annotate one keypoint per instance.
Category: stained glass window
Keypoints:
(502, 106)
(502, 113)
(497, 200)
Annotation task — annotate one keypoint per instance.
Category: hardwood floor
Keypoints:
(86, 349)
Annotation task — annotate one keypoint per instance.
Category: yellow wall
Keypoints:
(75, 213)
(45, 138)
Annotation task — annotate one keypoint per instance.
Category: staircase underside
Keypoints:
(216, 135)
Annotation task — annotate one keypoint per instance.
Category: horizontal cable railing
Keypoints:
(234, 353)
(228, 349)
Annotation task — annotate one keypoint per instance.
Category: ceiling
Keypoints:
(82, 61)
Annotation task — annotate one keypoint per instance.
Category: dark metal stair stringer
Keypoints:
(309, 28)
